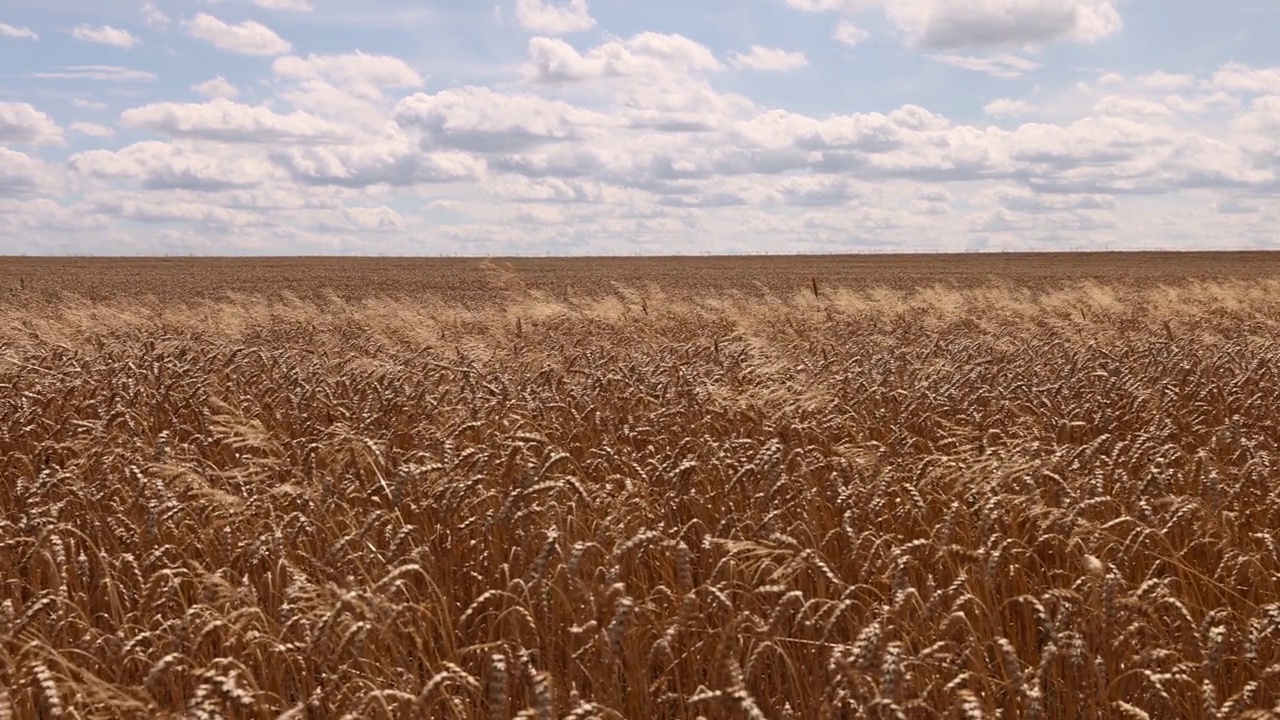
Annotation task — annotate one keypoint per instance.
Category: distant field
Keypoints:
(472, 281)
(898, 487)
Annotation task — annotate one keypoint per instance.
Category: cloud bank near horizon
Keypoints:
(536, 127)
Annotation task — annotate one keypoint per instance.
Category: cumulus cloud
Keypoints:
(654, 54)
(246, 38)
(1007, 107)
(552, 18)
(364, 76)
(22, 123)
(950, 25)
(21, 174)
(388, 163)
(166, 166)
(481, 120)
(226, 121)
(105, 35)
(217, 88)
(19, 33)
(769, 59)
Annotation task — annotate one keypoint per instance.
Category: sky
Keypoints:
(619, 127)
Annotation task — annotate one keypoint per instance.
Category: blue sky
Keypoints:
(603, 127)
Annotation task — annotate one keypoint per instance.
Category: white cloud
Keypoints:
(225, 121)
(396, 164)
(160, 165)
(1001, 66)
(22, 123)
(246, 38)
(91, 129)
(847, 33)
(552, 18)
(21, 174)
(217, 88)
(1006, 107)
(770, 59)
(289, 5)
(107, 73)
(556, 61)
(951, 25)
(359, 74)
(153, 16)
(19, 33)
(1167, 81)
(481, 120)
(1237, 78)
(105, 35)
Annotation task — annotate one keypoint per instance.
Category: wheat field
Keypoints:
(1007, 498)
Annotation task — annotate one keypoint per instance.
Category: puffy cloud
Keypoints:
(246, 38)
(1237, 78)
(1001, 66)
(166, 166)
(105, 35)
(226, 121)
(388, 163)
(647, 54)
(217, 88)
(481, 120)
(22, 123)
(551, 18)
(847, 33)
(19, 33)
(364, 76)
(950, 25)
(21, 174)
(770, 59)
(1007, 107)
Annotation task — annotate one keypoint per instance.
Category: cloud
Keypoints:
(1001, 66)
(1006, 107)
(165, 166)
(22, 123)
(222, 120)
(388, 163)
(246, 38)
(18, 33)
(481, 120)
(556, 61)
(217, 88)
(153, 16)
(951, 25)
(107, 73)
(105, 35)
(21, 174)
(847, 33)
(91, 129)
(1242, 79)
(551, 18)
(289, 5)
(769, 59)
(83, 104)
(364, 76)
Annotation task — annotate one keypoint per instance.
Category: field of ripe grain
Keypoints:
(1012, 496)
